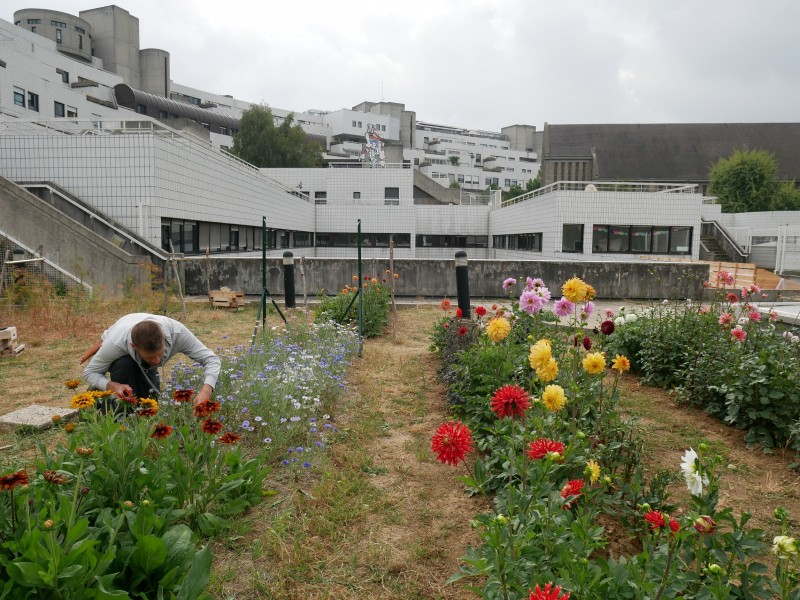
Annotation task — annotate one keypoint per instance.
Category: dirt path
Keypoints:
(385, 520)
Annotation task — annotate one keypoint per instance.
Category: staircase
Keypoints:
(711, 250)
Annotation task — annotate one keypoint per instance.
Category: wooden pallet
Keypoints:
(226, 298)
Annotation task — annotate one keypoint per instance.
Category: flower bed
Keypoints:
(537, 409)
(118, 510)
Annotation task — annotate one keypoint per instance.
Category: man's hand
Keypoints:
(204, 394)
(121, 390)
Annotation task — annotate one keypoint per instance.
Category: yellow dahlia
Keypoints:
(621, 363)
(594, 363)
(548, 371)
(574, 290)
(540, 354)
(592, 470)
(553, 397)
(498, 329)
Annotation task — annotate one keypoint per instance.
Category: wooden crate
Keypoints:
(226, 298)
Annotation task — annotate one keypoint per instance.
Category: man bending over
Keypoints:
(133, 348)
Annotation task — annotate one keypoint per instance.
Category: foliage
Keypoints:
(535, 183)
(556, 471)
(343, 308)
(747, 181)
(264, 145)
(119, 510)
(750, 384)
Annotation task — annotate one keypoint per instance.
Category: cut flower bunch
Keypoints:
(537, 431)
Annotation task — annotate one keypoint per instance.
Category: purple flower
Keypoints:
(509, 283)
(530, 302)
(267, 440)
(544, 293)
(588, 309)
(306, 464)
(564, 307)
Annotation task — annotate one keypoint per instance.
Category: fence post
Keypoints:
(462, 283)
(288, 279)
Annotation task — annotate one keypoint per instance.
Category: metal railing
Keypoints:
(604, 186)
(714, 229)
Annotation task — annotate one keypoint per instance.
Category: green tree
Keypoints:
(534, 184)
(787, 197)
(262, 144)
(512, 192)
(746, 181)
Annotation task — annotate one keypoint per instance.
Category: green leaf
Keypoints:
(210, 524)
(26, 573)
(102, 591)
(197, 578)
(150, 554)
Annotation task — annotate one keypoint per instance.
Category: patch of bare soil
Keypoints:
(749, 479)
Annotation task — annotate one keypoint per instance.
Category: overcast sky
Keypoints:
(484, 64)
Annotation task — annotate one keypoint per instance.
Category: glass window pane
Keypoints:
(600, 238)
(640, 239)
(619, 238)
(660, 239)
(680, 240)
(572, 238)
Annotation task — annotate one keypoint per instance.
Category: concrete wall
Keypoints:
(68, 244)
(436, 278)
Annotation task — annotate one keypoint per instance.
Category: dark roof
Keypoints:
(671, 152)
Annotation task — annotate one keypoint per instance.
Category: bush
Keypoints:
(343, 308)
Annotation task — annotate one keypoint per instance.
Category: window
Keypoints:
(450, 241)
(354, 124)
(680, 240)
(600, 238)
(572, 237)
(206, 125)
(19, 97)
(80, 29)
(383, 127)
(141, 109)
(416, 162)
(223, 130)
(477, 158)
(58, 36)
(64, 75)
(58, 24)
(234, 238)
(619, 237)
(58, 109)
(507, 183)
(641, 238)
(72, 111)
(33, 101)
(320, 197)
(356, 195)
(33, 29)
(359, 124)
(391, 193)
(80, 42)
(162, 114)
(34, 21)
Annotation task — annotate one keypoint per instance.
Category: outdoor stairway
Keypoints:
(716, 252)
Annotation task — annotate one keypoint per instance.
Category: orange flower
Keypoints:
(55, 477)
(206, 408)
(445, 304)
(212, 426)
(228, 438)
(10, 481)
(72, 383)
(182, 395)
(161, 431)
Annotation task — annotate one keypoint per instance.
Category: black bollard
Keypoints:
(462, 283)
(288, 279)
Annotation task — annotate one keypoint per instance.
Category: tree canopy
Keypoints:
(262, 144)
(747, 181)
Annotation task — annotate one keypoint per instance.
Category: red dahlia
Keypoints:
(540, 448)
(510, 401)
(12, 480)
(607, 327)
(228, 438)
(212, 426)
(445, 304)
(732, 298)
(161, 431)
(587, 343)
(459, 313)
(656, 519)
(548, 593)
(451, 442)
(206, 408)
(182, 395)
(462, 331)
(674, 525)
(572, 489)
(480, 311)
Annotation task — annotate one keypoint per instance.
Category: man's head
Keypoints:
(147, 338)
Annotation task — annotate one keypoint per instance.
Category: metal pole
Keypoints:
(288, 279)
(462, 283)
(360, 295)
(263, 306)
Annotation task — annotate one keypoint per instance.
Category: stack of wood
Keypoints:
(226, 298)
(9, 344)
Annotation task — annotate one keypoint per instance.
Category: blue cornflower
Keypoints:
(306, 464)
(267, 440)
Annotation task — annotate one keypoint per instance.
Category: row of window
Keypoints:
(390, 194)
(519, 241)
(452, 241)
(59, 108)
(629, 239)
(193, 237)
(368, 240)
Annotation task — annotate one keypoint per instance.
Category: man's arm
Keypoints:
(95, 372)
(187, 343)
